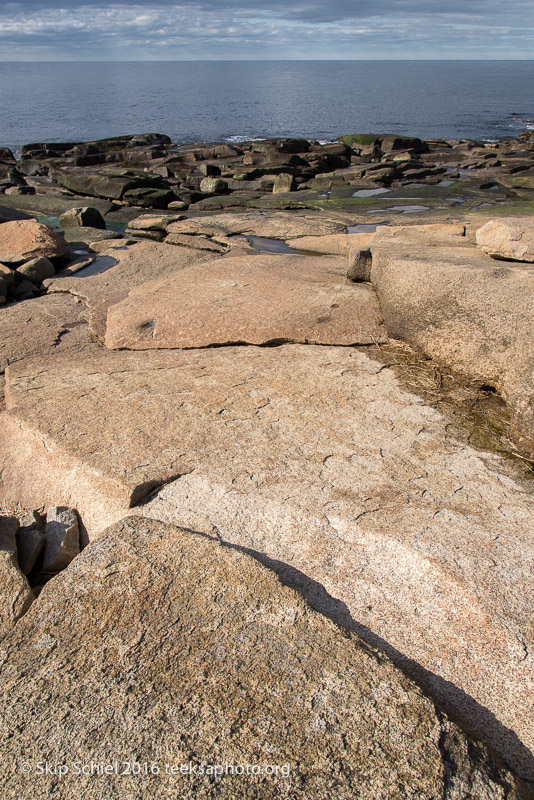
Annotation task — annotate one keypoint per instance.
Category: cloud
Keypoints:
(266, 28)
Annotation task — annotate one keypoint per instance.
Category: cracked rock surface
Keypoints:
(256, 300)
(160, 645)
(317, 458)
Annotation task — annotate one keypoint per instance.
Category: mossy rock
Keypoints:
(359, 138)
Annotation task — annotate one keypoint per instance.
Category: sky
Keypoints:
(159, 30)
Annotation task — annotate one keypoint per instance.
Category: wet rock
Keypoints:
(22, 240)
(267, 298)
(37, 269)
(86, 216)
(508, 238)
(223, 665)
(62, 538)
(15, 594)
(149, 197)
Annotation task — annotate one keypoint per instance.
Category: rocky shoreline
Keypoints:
(233, 375)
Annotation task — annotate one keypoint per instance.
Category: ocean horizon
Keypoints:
(203, 101)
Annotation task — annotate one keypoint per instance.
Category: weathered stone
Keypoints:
(22, 240)
(134, 265)
(317, 458)
(11, 214)
(7, 276)
(213, 185)
(196, 242)
(30, 541)
(443, 295)
(334, 244)
(62, 538)
(266, 298)
(508, 238)
(15, 593)
(35, 327)
(168, 648)
(111, 187)
(37, 269)
(148, 197)
(25, 290)
(86, 216)
(284, 183)
(359, 268)
(275, 225)
(153, 222)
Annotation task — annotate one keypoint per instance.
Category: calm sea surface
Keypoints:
(218, 101)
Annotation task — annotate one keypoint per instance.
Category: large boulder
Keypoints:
(111, 185)
(462, 308)
(317, 458)
(510, 238)
(22, 240)
(256, 300)
(163, 648)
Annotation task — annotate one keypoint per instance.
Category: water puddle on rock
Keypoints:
(269, 245)
(400, 209)
(100, 264)
(369, 192)
(364, 228)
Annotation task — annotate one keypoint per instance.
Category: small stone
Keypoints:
(15, 593)
(178, 205)
(62, 538)
(37, 270)
(86, 217)
(30, 541)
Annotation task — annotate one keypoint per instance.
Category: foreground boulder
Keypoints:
(508, 238)
(441, 294)
(182, 651)
(83, 217)
(317, 458)
(256, 300)
(22, 240)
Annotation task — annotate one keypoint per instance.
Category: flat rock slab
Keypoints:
(248, 299)
(317, 458)
(133, 265)
(464, 310)
(273, 225)
(335, 243)
(15, 594)
(39, 326)
(508, 238)
(179, 649)
(24, 239)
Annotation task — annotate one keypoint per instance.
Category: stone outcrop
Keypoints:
(181, 650)
(254, 300)
(317, 458)
(508, 238)
(22, 240)
(15, 594)
(463, 309)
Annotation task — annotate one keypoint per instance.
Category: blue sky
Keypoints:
(50, 30)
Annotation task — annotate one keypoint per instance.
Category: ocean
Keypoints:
(209, 101)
